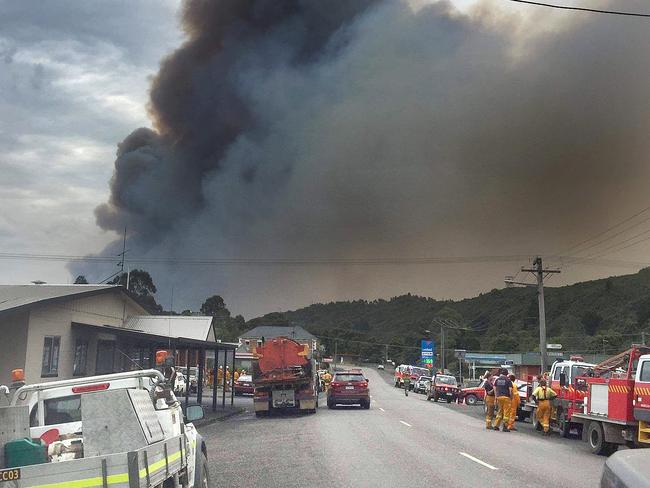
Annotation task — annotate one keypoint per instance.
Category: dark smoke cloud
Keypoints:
(366, 129)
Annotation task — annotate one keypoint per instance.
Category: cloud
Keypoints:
(295, 129)
(73, 79)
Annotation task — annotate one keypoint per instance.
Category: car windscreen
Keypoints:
(349, 377)
(446, 380)
(424, 378)
(420, 371)
(246, 377)
(580, 371)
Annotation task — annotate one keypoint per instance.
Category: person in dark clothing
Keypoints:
(503, 393)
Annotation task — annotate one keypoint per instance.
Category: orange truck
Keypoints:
(616, 407)
(284, 377)
(413, 372)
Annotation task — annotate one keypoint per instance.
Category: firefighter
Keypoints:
(503, 394)
(236, 375)
(543, 396)
(327, 379)
(220, 376)
(407, 383)
(514, 404)
(489, 401)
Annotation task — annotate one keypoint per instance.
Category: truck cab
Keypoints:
(641, 401)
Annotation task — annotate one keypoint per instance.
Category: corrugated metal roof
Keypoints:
(190, 327)
(271, 331)
(14, 296)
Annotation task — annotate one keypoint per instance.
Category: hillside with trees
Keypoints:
(603, 315)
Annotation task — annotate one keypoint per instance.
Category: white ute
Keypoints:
(123, 430)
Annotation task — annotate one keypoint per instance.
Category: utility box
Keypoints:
(118, 421)
(14, 425)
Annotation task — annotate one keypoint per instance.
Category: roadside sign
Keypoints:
(327, 360)
(460, 353)
(553, 346)
(555, 354)
(427, 350)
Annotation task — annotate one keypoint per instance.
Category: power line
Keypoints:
(583, 9)
(595, 236)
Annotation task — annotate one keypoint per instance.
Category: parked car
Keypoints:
(443, 386)
(244, 385)
(380, 366)
(348, 388)
(473, 395)
(421, 385)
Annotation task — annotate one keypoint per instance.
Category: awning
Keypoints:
(166, 341)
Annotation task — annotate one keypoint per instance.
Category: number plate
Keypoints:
(349, 387)
(9, 474)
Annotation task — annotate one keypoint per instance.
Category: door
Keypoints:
(642, 390)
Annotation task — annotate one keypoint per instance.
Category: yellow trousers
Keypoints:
(544, 413)
(514, 405)
(489, 410)
(503, 409)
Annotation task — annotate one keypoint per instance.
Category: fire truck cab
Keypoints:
(563, 379)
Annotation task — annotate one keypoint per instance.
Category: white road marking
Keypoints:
(476, 460)
(405, 423)
(382, 409)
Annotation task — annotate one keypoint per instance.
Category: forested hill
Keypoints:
(593, 316)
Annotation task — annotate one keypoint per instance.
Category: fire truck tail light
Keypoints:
(89, 388)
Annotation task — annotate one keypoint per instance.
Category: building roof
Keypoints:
(270, 331)
(17, 296)
(187, 326)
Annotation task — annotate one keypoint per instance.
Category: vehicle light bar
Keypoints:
(89, 388)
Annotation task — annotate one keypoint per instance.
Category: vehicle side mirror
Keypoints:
(193, 413)
(562, 379)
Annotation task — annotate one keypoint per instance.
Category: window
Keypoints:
(62, 410)
(348, 377)
(80, 357)
(556, 375)
(105, 357)
(645, 371)
(51, 346)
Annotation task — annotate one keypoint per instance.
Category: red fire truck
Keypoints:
(617, 403)
(569, 399)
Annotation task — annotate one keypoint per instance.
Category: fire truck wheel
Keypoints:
(596, 439)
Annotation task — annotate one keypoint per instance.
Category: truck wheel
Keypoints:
(262, 413)
(596, 439)
(471, 400)
(366, 405)
(330, 404)
(449, 400)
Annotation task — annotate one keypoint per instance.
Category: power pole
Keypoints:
(336, 348)
(539, 271)
(442, 348)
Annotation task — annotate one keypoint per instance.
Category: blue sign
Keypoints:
(485, 358)
(428, 349)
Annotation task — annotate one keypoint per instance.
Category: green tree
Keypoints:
(142, 286)
(140, 282)
(591, 322)
(215, 306)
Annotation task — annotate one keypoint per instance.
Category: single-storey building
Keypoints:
(266, 332)
(62, 331)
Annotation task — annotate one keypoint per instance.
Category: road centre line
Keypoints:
(476, 460)
(405, 423)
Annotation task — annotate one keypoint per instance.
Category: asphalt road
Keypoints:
(400, 441)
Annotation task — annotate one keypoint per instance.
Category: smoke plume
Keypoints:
(305, 128)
